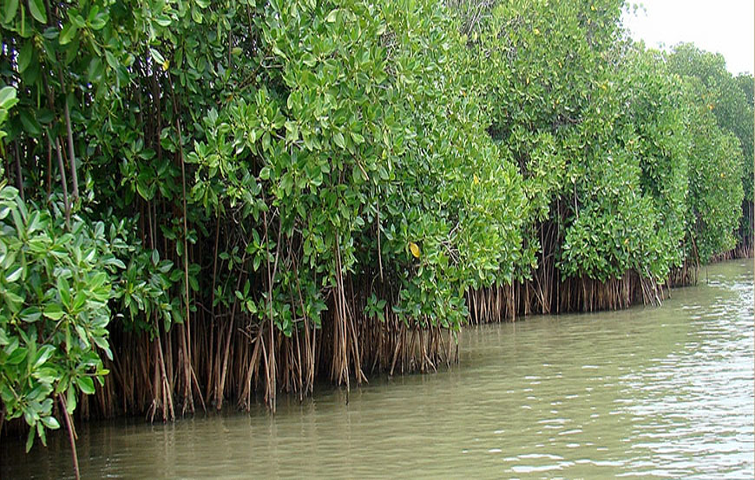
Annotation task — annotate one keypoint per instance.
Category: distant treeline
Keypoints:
(205, 200)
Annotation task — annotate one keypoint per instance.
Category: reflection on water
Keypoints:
(649, 392)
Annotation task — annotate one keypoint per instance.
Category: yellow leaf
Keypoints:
(414, 249)
(537, 32)
(166, 64)
(476, 179)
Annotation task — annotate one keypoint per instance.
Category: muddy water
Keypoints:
(648, 392)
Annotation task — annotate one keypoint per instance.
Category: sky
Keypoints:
(721, 26)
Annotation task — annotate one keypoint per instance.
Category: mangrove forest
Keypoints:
(208, 203)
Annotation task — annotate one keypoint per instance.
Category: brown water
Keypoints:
(648, 392)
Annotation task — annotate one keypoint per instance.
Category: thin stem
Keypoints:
(61, 167)
(71, 438)
(71, 155)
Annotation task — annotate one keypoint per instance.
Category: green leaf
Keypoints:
(68, 33)
(30, 439)
(86, 384)
(18, 356)
(332, 16)
(157, 56)
(9, 10)
(37, 9)
(97, 20)
(338, 139)
(111, 60)
(79, 301)
(358, 139)
(64, 290)
(30, 314)
(76, 19)
(71, 399)
(97, 280)
(43, 355)
(53, 311)
(251, 307)
(50, 422)
(25, 56)
(30, 123)
(15, 301)
(46, 375)
(162, 20)
(14, 275)
(8, 97)
(196, 15)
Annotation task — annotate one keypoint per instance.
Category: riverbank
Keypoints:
(403, 350)
(662, 391)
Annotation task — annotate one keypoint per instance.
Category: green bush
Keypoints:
(55, 284)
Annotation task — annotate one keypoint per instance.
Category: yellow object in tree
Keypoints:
(414, 248)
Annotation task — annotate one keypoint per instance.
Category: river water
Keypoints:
(647, 392)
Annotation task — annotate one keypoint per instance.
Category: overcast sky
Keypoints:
(722, 26)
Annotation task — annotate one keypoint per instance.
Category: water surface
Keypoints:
(648, 392)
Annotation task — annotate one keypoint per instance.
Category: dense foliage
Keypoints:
(56, 286)
(590, 120)
(213, 196)
(729, 102)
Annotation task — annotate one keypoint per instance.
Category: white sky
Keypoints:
(721, 26)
